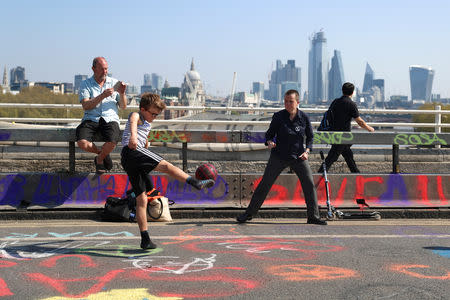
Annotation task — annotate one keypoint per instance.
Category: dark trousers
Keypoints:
(333, 156)
(273, 169)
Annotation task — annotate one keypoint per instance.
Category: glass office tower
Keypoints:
(421, 79)
(368, 79)
(335, 76)
(318, 69)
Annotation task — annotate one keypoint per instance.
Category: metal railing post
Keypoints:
(395, 159)
(184, 156)
(438, 121)
(71, 157)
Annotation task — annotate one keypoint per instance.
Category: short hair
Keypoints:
(149, 99)
(348, 88)
(95, 60)
(290, 92)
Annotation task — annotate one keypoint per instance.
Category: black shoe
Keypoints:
(148, 244)
(206, 184)
(99, 168)
(317, 222)
(108, 162)
(200, 184)
(244, 218)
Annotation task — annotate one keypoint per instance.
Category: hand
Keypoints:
(304, 155)
(121, 89)
(132, 144)
(271, 144)
(370, 128)
(108, 92)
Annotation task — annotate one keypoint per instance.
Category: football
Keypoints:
(206, 171)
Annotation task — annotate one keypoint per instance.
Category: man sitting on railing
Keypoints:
(100, 96)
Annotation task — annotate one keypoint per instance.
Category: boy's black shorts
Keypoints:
(138, 164)
(110, 132)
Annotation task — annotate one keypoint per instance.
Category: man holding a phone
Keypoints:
(100, 96)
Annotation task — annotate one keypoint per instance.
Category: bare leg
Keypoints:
(175, 172)
(107, 148)
(141, 217)
(141, 211)
(88, 146)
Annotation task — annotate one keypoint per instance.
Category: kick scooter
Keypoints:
(335, 214)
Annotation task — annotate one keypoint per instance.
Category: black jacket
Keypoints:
(289, 135)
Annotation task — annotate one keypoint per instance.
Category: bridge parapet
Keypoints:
(62, 134)
(83, 190)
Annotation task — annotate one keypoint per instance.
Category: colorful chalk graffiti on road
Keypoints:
(39, 259)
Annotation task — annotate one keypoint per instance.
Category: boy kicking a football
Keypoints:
(138, 161)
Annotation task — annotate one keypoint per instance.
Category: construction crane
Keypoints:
(230, 100)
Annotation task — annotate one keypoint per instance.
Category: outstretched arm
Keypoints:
(363, 124)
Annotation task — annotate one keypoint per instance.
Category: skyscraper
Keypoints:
(421, 79)
(157, 81)
(318, 69)
(258, 89)
(17, 75)
(147, 86)
(380, 84)
(335, 76)
(284, 73)
(368, 78)
(147, 79)
(78, 79)
(17, 78)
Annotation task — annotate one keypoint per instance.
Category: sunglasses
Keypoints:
(154, 115)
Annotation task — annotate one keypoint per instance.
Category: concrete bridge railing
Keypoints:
(88, 190)
(61, 134)
(45, 190)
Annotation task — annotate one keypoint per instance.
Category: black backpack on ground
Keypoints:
(124, 209)
(120, 209)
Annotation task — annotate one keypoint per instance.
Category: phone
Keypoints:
(117, 85)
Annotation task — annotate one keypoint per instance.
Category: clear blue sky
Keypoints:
(54, 40)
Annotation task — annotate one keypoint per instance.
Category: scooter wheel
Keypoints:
(332, 217)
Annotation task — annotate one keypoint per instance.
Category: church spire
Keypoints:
(192, 65)
(5, 78)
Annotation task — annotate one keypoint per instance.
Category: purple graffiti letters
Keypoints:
(183, 193)
(395, 183)
(11, 189)
(53, 190)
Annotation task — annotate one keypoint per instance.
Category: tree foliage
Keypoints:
(43, 95)
(429, 118)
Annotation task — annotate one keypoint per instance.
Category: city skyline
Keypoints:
(52, 42)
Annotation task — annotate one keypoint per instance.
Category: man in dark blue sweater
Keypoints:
(285, 138)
